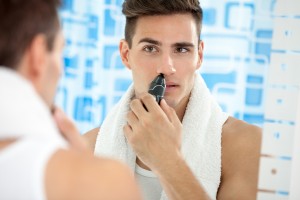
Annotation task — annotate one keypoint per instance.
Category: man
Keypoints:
(36, 160)
(175, 148)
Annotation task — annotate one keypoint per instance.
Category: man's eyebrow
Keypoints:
(177, 44)
(183, 44)
(151, 41)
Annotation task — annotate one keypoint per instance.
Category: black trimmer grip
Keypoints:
(157, 87)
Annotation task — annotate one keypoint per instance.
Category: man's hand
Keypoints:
(155, 136)
(155, 133)
(69, 131)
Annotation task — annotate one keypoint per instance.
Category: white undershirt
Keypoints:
(149, 183)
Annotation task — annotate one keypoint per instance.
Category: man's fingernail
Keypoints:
(153, 97)
(163, 101)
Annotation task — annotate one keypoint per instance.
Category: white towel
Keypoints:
(201, 145)
(21, 106)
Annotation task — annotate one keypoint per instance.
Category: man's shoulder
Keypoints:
(240, 139)
(235, 128)
(70, 173)
(241, 143)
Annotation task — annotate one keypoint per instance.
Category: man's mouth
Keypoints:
(171, 85)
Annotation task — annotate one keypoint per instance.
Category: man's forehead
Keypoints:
(163, 29)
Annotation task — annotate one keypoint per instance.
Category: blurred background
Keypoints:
(251, 65)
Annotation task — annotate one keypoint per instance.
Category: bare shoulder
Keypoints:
(91, 137)
(236, 126)
(240, 138)
(241, 143)
(80, 175)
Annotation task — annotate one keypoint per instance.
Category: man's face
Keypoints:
(53, 69)
(165, 44)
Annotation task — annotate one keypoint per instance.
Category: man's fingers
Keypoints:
(149, 101)
(69, 130)
(138, 108)
(64, 124)
(127, 132)
(131, 119)
(170, 112)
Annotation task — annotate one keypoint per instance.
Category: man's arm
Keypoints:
(155, 136)
(240, 160)
(90, 137)
(74, 175)
(179, 182)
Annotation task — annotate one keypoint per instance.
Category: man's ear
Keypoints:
(37, 57)
(200, 54)
(124, 53)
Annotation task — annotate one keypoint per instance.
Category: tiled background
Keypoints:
(280, 165)
(251, 65)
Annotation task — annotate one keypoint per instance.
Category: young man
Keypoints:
(37, 160)
(175, 148)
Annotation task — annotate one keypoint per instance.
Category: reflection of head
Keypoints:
(133, 9)
(20, 22)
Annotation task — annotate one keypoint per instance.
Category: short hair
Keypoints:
(133, 9)
(20, 22)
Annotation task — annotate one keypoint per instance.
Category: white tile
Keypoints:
(286, 34)
(287, 7)
(280, 104)
(295, 169)
(274, 174)
(284, 69)
(278, 139)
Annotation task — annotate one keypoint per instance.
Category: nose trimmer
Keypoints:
(157, 87)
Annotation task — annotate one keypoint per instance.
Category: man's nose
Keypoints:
(166, 66)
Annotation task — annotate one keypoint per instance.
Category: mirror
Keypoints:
(251, 58)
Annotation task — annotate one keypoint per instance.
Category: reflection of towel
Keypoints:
(22, 111)
(201, 145)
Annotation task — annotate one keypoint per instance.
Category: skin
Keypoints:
(169, 44)
(72, 173)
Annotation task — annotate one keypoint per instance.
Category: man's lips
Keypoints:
(170, 86)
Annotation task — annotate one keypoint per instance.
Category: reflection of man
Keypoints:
(174, 160)
(36, 162)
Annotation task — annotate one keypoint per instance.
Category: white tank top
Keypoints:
(23, 165)
(149, 183)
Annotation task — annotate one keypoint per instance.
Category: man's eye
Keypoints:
(181, 50)
(150, 49)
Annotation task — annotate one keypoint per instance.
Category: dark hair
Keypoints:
(20, 22)
(133, 9)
